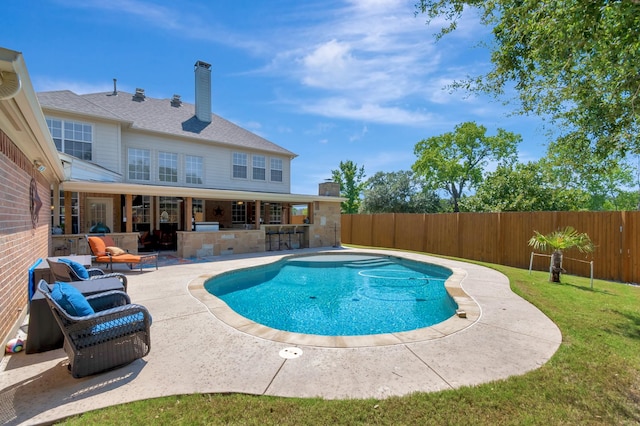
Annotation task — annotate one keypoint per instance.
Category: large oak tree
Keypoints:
(456, 161)
(575, 61)
(398, 192)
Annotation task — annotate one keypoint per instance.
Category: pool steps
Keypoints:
(372, 262)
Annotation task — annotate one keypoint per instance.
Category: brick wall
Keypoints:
(21, 244)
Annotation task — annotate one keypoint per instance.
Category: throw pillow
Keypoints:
(79, 269)
(71, 300)
(115, 251)
(97, 246)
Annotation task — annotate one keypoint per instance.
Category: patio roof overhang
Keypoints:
(181, 191)
(21, 119)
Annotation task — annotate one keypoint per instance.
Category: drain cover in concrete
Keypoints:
(290, 353)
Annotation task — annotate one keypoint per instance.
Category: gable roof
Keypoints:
(158, 116)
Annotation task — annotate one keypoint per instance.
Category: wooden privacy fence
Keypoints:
(503, 238)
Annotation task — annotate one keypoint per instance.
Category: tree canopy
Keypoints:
(574, 61)
(524, 187)
(350, 178)
(398, 192)
(455, 161)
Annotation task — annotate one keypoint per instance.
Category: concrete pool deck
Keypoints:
(194, 351)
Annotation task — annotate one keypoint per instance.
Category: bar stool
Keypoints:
(290, 231)
(270, 233)
(300, 233)
(280, 233)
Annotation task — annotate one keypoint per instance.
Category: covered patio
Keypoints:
(192, 221)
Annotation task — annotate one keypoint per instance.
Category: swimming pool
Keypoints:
(339, 295)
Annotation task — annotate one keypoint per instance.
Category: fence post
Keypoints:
(531, 263)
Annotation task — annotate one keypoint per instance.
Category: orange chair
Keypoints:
(103, 250)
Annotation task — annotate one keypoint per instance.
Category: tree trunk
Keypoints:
(556, 266)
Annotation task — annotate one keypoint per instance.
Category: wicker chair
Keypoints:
(65, 273)
(115, 335)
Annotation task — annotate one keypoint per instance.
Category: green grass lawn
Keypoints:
(594, 378)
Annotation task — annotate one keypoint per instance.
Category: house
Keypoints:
(137, 165)
(29, 165)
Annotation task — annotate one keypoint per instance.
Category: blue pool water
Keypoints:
(339, 295)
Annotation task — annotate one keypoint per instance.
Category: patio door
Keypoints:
(99, 210)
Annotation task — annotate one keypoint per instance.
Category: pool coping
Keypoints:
(468, 312)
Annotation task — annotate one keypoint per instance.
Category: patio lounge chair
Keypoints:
(101, 332)
(109, 254)
(67, 271)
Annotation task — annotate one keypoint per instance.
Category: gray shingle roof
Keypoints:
(157, 115)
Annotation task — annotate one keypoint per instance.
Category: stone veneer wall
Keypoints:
(216, 243)
(325, 226)
(21, 244)
(324, 231)
(64, 245)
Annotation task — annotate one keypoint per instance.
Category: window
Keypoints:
(141, 213)
(193, 169)
(139, 164)
(71, 137)
(239, 165)
(275, 213)
(259, 167)
(238, 212)
(168, 207)
(276, 170)
(75, 212)
(167, 167)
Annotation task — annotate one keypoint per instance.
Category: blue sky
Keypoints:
(330, 80)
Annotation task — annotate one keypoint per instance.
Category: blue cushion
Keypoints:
(71, 300)
(130, 319)
(79, 269)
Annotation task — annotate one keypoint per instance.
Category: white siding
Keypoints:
(217, 163)
(107, 148)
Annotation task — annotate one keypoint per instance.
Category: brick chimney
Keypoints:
(203, 91)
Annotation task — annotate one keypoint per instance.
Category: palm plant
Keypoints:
(557, 241)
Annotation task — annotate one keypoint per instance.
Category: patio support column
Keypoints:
(128, 213)
(188, 214)
(68, 226)
(257, 220)
(55, 207)
(312, 212)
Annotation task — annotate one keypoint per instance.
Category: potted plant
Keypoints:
(556, 242)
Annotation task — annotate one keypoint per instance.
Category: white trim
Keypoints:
(180, 191)
(32, 136)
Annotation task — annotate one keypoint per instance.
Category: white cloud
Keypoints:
(252, 125)
(370, 112)
(320, 128)
(388, 161)
(79, 87)
(326, 62)
(371, 60)
(187, 20)
(359, 135)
